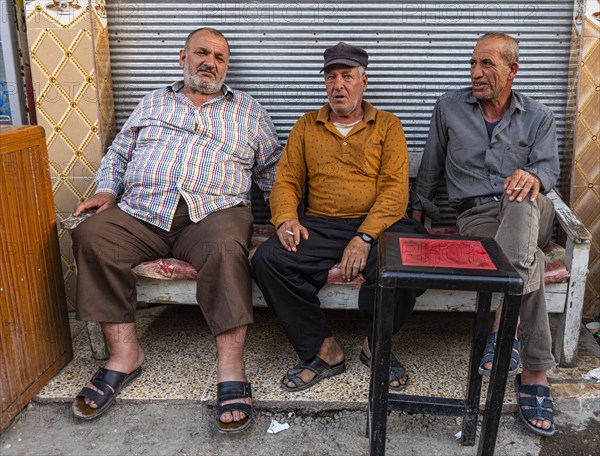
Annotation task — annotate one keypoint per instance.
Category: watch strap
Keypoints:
(365, 237)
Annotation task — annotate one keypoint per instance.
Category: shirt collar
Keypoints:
(368, 109)
(516, 101)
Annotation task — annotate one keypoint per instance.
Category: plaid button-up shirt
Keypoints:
(169, 148)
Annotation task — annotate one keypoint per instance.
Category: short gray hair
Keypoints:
(210, 30)
(510, 49)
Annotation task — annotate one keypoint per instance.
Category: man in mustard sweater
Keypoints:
(352, 161)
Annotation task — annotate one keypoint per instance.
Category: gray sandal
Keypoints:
(488, 356)
(539, 406)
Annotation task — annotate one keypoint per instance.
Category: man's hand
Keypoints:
(520, 184)
(417, 215)
(289, 234)
(100, 202)
(354, 259)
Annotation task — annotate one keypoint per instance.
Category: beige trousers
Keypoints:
(521, 230)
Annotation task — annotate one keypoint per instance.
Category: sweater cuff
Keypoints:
(278, 220)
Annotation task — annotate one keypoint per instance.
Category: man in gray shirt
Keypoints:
(498, 150)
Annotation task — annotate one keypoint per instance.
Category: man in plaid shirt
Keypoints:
(181, 170)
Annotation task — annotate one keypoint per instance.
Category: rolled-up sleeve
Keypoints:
(543, 157)
(431, 170)
(109, 177)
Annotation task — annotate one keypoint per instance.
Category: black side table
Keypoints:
(450, 263)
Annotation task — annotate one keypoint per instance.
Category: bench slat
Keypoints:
(340, 296)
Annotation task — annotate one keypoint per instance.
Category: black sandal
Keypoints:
(397, 370)
(316, 365)
(108, 381)
(227, 391)
(488, 356)
(540, 406)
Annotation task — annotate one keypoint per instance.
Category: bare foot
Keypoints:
(234, 415)
(331, 352)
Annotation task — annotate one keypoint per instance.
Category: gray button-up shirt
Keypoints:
(475, 165)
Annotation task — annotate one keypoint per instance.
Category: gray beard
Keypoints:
(195, 83)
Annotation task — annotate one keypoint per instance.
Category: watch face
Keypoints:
(365, 237)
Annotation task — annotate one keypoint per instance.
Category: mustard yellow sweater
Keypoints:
(364, 174)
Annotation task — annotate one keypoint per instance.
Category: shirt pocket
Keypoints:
(514, 157)
(151, 131)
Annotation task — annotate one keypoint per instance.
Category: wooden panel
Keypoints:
(35, 340)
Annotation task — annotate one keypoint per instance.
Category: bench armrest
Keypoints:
(574, 229)
(577, 252)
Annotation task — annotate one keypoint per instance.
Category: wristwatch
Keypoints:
(365, 237)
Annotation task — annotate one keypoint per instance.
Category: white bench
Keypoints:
(564, 297)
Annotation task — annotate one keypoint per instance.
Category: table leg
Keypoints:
(495, 396)
(380, 369)
(480, 327)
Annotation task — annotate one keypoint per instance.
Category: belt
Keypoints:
(467, 204)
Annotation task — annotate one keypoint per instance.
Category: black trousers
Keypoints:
(290, 281)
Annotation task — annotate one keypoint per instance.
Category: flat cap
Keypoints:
(345, 54)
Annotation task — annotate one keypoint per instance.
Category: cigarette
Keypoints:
(518, 188)
(291, 233)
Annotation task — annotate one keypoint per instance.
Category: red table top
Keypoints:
(445, 253)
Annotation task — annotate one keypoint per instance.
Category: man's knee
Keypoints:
(85, 232)
(542, 208)
(98, 253)
(100, 227)
(226, 252)
(104, 239)
(90, 243)
(265, 256)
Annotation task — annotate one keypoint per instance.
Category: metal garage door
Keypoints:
(417, 51)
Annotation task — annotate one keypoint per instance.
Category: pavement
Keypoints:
(170, 409)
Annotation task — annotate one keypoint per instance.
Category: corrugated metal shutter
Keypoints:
(417, 51)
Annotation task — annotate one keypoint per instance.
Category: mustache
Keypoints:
(205, 68)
